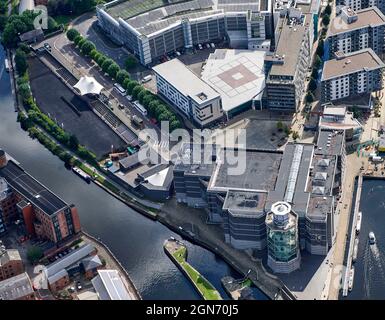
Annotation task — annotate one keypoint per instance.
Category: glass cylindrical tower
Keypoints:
(282, 238)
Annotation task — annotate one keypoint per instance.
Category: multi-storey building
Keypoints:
(151, 29)
(10, 263)
(45, 215)
(351, 74)
(353, 31)
(362, 4)
(288, 66)
(308, 177)
(194, 98)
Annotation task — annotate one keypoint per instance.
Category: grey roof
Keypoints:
(57, 276)
(109, 286)
(190, 165)
(349, 63)
(159, 177)
(91, 263)
(34, 34)
(16, 287)
(299, 194)
(289, 45)
(245, 203)
(130, 161)
(69, 259)
(330, 142)
(258, 171)
(31, 189)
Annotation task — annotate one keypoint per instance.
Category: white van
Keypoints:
(147, 78)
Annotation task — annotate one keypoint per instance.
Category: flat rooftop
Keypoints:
(362, 60)
(258, 171)
(245, 203)
(289, 46)
(185, 81)
(365, 18)
(330, 142)
(237, 75)
(32, 189)
(196, 159)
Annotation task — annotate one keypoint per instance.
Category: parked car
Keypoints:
(47, 46)
(78, 286)
(212, 45)
(200, 46)
(178, 53)
(207, 45)
(71, 290)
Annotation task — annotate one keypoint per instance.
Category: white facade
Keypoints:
(192, 96)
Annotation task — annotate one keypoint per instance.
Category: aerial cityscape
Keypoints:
(192, 150)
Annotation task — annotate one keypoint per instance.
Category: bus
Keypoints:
(120, 89)
(140, 108)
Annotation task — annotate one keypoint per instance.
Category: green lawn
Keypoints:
(206, 288)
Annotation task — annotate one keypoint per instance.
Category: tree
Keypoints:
(94, 54)
(314, 74)
(24, 91)
(52, 24)
(34, 254)
(328, 10)
(72, 34)
(131, 85)
(317, 62)
(295, 135)
(113, 70)
(130, 63)
(21, 62)
(309, 97)
(106, 64)
(81, 42)
(320, 48)
(100, 59)
(17, 24)
(78, 39)
(279, 125)
(87, 47)
(121, 76)
(24, 47)
(326, 20)
(137, 89)
(73, 142)
(312, 85)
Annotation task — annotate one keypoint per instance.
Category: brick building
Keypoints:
(10, 264)
(45, 215)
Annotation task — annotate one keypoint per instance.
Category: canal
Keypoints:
(134, 239)
(369, 269)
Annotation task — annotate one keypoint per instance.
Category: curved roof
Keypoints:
(87, 85)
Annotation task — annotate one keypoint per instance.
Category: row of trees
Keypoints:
(317, 64)
(155, 107)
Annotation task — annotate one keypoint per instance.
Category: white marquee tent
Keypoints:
(88, 85)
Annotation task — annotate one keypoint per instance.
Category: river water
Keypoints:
(369, 269)
(134, 239)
